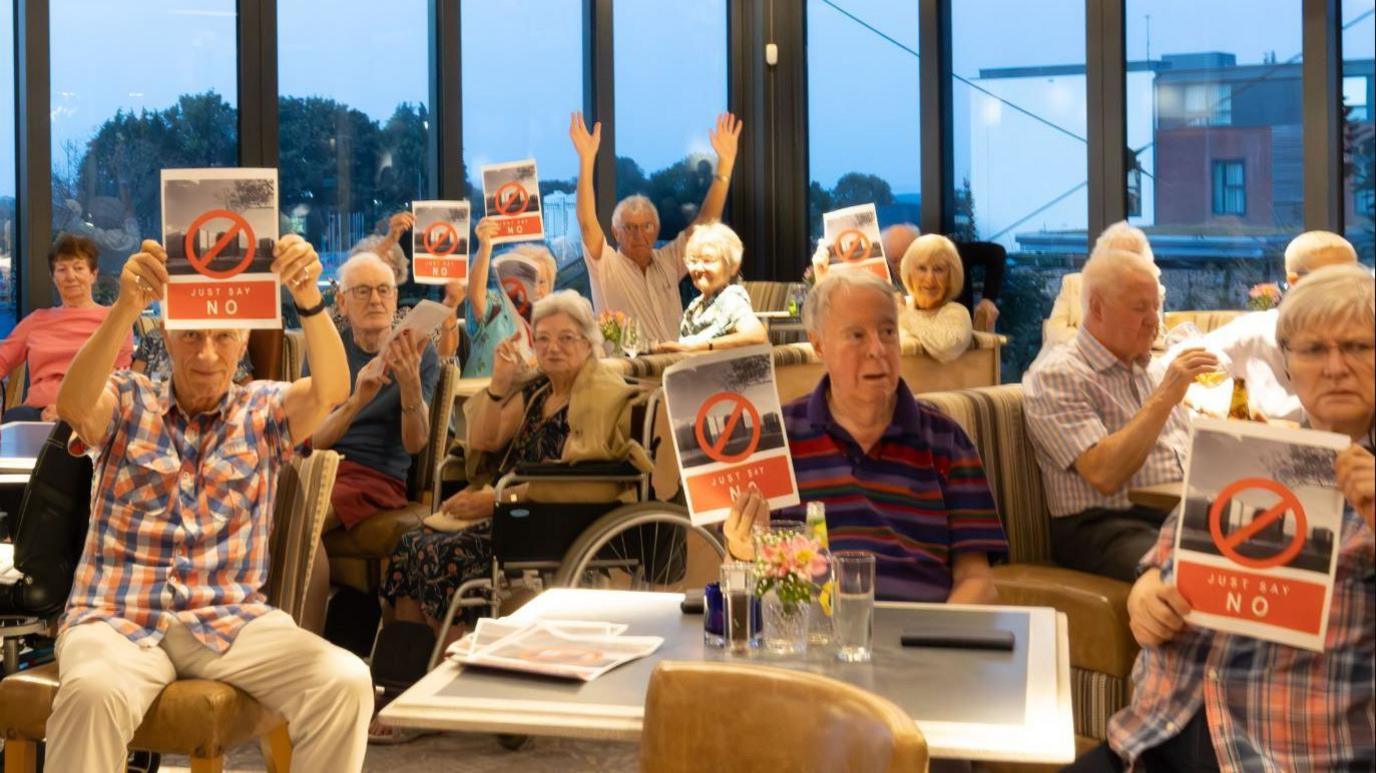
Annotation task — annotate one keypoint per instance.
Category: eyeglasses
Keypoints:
(1352, 352)
(364, 292)
(565, 340)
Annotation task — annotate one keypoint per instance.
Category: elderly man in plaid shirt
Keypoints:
(1101, 424)
(1205, 700)
(169, 584)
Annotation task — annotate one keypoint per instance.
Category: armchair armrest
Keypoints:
(1096, 607)
(577, 470)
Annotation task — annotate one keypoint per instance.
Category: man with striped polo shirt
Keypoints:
(1101, 424)
(899, 479)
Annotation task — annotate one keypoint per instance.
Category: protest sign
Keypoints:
(511, 197)
(439, 241)
(853, 239)
(518, 275)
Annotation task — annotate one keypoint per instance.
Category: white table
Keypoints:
(974, 705)
(20, 442)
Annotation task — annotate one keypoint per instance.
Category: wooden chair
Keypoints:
(197, 717)
(15, 385)
(777, 720)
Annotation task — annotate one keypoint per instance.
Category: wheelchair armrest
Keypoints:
(577, 470)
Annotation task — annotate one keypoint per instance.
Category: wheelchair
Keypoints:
(644, 545)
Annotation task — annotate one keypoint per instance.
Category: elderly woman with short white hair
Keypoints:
(933, 276)
(1197, 691)
(721, 317)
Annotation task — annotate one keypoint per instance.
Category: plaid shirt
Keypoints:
(1079, 394)
(1270, 707)
(180, 513)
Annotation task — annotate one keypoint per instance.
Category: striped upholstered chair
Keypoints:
(1102, 649)
(198, 717)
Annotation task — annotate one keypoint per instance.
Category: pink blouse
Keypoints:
(48, 339)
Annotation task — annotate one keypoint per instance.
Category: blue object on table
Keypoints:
(714, 616)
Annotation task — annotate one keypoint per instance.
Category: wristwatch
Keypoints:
(312, 311)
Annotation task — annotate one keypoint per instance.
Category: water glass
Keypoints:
(632, 340)
(852, 611)
(738, 591)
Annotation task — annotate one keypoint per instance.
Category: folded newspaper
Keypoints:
(567, 649)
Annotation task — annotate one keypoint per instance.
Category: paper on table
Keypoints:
(424, 318)
(571, 650)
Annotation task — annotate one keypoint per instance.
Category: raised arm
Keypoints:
(310, 399)
(586, 144)
(83, 400)
(493, 422)
(477, 271)
(725, 138)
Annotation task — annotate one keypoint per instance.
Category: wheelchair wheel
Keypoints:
(650, 546)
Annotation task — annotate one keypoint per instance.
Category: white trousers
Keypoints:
(107, 684)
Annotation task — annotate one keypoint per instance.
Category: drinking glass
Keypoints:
(738, 590)
(852, 611)
(632, 339)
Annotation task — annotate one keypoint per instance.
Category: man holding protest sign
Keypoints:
(170, 580)
(1204, 699)
(636, 277)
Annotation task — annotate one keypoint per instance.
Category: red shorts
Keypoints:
(360, 491)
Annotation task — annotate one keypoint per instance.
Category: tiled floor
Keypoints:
(465, 753)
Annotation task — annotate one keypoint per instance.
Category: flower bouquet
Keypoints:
(786, 561)
(1263, 296)
(611, 323)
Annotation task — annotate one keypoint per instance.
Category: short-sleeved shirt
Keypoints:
(916, 499)
(714, 316)
(48, 340)
(1270, 707)
(1077, 395)
(649, 296)
(181, 509)
(498, 322)
(374, 438)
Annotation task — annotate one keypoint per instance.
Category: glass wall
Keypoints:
(1359, 130)
(1215, 120)
(122, 111)
(9, 276)
(670, 62)
(512, 113)
(873, 153)
(1020, 151)
(354, 122)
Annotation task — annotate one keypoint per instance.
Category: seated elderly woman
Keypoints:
(571, 409)
(1205, 700)
(933, 276)
(48, 339)
(864, 446)
(721, 316)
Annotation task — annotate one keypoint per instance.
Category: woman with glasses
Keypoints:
(721, 316)
(1206, 700)
(569, 409)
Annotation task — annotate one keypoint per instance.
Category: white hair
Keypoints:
(576, 307)
(394, 257)
(719, 235)
(1110, 266)
(539, 255)
(1312, 249)
(635, 203)
(929, 246)
(1122, 236)
(357, 261)
(1328, 296)
(818, 304)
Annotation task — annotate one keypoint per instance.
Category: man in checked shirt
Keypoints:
(169, 583)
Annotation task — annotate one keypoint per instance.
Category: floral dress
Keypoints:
(429, 565)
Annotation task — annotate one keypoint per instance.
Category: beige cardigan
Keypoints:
(599, 415)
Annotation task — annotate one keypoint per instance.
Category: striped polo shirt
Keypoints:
(915, 499)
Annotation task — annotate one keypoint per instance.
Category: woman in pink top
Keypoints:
(48, 339)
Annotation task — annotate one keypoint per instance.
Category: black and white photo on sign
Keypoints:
(204, 199)
(687, 388)
(1220, 458)
(846, 224)
(429, 236)
(496, 179)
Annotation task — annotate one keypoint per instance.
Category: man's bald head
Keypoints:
(896, 239)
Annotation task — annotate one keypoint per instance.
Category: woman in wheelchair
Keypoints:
(571, 409)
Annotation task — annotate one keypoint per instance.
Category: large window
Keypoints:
(1020, 150)
(9, 276)
(864, 127)
(354, 82)
(512, 112)
(670, 86)
(1359, 131)
(121, 111)
(1215, 120)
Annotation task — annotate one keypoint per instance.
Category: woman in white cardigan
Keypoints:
(932, 274)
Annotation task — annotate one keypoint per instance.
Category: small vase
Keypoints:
(611, 349)
(785, 626)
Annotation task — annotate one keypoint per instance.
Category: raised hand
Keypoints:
(399, 224)
(486, 230)
(295, 261)
(371, 378)
(144, 276)
(506, 364)
(584, 142)
(1356, 471)
(725, 138)
(750, 510)
(1182, 372)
